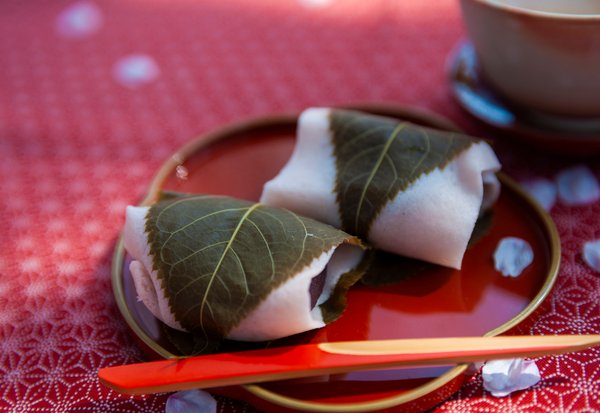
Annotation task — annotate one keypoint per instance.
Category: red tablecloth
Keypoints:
(77, 146)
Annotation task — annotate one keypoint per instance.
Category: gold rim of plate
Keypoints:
(286, 119)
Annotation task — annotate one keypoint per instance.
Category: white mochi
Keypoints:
(306, 183)
(136, 243)
(284, 312)
(432, 220)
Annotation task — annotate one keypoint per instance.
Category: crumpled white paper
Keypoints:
(191, 401)
(578, 186)
(512, 256)
(310, 4)
(136, 70)
(502, 377)
(591, 254)
(80, 19)
(542, 189)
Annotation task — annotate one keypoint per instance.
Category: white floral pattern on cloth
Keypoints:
(136, 70)
(191, 401)
(543, 190)
(502, 377)
(79, 20)
(512, 256)
(578, 186)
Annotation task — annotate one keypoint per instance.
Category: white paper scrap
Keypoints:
(80, 19)
(591, 254)
(542, 189)
(136, 70)
(512, 256)
(191, 401)
(310, 4)
(578, 186)
(502, 377)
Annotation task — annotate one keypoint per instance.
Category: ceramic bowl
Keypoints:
(541, 54)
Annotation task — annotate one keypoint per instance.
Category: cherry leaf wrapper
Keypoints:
(406, 189)
(218, 267)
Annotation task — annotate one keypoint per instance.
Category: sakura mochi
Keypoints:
(218, 267)
(406, 189)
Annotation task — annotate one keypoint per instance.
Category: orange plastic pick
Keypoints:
(328, 358)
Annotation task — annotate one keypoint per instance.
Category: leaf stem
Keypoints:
(384, 152)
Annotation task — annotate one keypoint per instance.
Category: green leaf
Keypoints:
(376, 158)
(219, 257)
(169, 195)
(387, 268)
(336, 304)
(482, 226)
(183, 341)
(186, 343)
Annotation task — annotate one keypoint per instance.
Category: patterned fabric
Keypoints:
(83, 129)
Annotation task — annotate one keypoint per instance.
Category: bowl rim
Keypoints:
(204, 140)
(513, 9)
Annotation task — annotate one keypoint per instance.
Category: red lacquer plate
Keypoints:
(238, 159)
